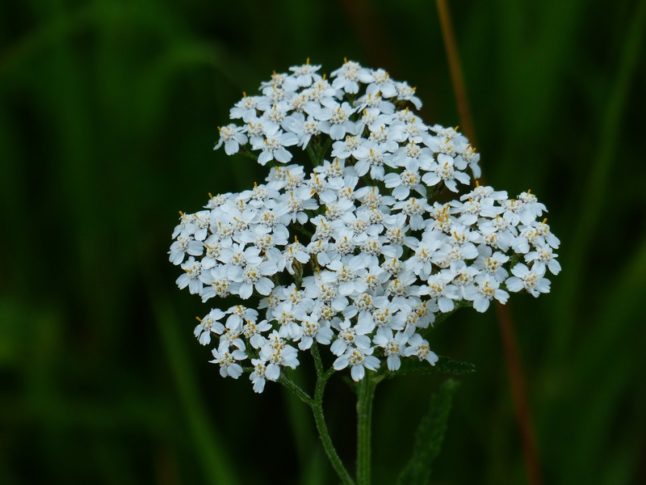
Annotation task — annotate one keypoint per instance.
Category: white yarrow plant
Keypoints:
(369, 225)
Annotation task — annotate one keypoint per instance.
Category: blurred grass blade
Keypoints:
(429, 436)
(208, 445)
(591, 208)
(609, 379)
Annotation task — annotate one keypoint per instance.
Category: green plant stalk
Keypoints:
(316, 405)
(365, 395)
(324, 434)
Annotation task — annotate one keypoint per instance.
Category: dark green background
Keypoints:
(108, 114)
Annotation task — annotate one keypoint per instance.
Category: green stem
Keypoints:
(295, 389)
(318, 362)
(365, 395)
(321, 426)
(316, 404)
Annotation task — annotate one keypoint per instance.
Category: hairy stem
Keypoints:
(318, 362)
(365, 395)
(295, 389)
(316, 405)
(321, 426)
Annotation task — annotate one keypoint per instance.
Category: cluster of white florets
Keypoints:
(361, 251)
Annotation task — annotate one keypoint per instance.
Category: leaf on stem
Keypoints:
(429, 436)
(449, 367)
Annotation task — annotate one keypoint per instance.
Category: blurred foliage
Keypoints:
(429, 437)
(108, 112)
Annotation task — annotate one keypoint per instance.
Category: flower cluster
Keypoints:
(362, 250)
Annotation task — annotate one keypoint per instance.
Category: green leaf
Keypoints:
(429, 436)
(209, 446)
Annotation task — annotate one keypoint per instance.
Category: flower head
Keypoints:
(351, 249)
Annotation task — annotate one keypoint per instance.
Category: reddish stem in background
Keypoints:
(507, 333)
(519, 394)
(456, 71)
(372, 37)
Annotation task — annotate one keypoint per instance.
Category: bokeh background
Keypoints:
(108, 115)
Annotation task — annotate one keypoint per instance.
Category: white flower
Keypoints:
(492, 262)
(272, 145)
(350, 335)
(253, 277)
(238, 314)
(295, 253)
(371, 157)
(444, 170)
(278, 354)
(348, 76)
(485, 290)
(530, 280)
(183, 246)
(201, 223)
(246, 108)
(213, 246)
(419, 347)
(210, 323)
(350, 146)
(393, 346)
(217, 283)
(383, 84)
(304, 75)
(359, 360)
(402, 183)
(257, 377)
(356, 254)
(440, 287)
(232, 137)
(347, 273)
(314, 330)
(253, 332)
(228, 360)
(191, 277)
(285, 315)
(544, 257)
(238, 256)
(407, 93)
(421, 263)
(335, 119)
